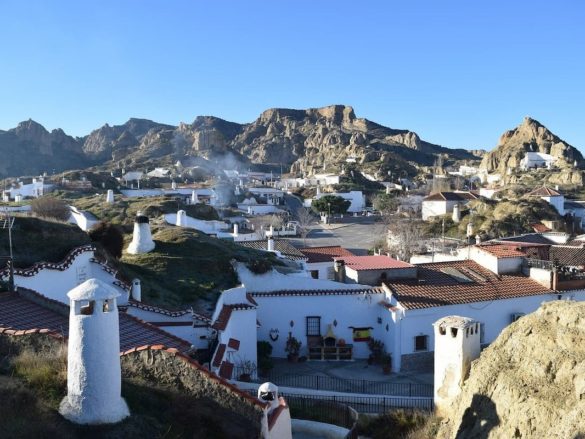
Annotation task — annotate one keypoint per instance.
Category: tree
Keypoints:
(386, 204)
(330, 204)
(405, 238)
(50, 207)
(109, 236)
(305, 219)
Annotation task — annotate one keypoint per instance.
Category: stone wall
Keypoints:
(419, 362)
(169, 368)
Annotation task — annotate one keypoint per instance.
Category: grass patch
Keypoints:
(187, 265)
(40, 239)
(400, 423)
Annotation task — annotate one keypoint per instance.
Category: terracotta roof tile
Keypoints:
(283, 246)
(567, 255)
(20, 313)
(226, 369)
(544, 191)
(377, 262)
(219, 353)
(436, 287)
(234, 344)
(324, 254)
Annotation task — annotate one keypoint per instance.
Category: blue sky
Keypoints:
(459, 73)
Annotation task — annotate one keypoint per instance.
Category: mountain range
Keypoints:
(299, 141)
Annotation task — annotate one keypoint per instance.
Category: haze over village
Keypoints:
(259, 252)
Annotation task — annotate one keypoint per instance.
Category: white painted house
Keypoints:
(442, 203)
(537, 160)
(357, 199)
(551, 196)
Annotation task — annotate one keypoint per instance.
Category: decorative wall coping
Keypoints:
(61, 266)
(341, 292)
(164, 311)
(195, 365)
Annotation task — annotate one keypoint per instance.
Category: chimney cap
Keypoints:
(93, 289)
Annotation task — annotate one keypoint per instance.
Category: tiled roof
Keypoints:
(223, 318)
(534, 238)
(219, 355)
(544, 191)
(502, 251)
(340, 292)
(377, 262)
(540, 228)
(283, 246)
(451, 196)
(437, 286)
(567, 255)
(226, 369)
(20, 313)
(324, 254)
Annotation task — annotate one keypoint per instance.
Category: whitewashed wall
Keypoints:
(358, 310)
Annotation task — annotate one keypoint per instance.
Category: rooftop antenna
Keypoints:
(7, 221)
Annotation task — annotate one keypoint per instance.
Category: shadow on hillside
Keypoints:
(479, 418)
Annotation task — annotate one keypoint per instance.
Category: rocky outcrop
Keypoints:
(529, 383)
(29, 149)
(530, 136)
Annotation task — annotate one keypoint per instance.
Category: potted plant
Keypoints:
(292, 348)
(386, 363)
(246, 368)
(377, 349)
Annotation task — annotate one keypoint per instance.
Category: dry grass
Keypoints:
(399, 423)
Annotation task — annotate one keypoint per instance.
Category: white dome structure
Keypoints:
(141, 239)
(93, 361)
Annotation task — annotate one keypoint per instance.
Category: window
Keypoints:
(315, 274)
(86, 308)
(421, 343)
(313, 326)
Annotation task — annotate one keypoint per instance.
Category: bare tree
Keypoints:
(405, 238)
(305, 219)
(50, 207)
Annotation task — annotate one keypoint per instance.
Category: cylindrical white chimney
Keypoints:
(5, 197)
(94, 379)
(173, 185)
(18, 198)
(110, 196)
(236, 229)
(136, 290)
(477, 239)
(270, 244)
(194, 198)
(141, 239)
(181, 218)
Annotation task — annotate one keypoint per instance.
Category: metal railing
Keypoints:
(345, 385)
(538, 263)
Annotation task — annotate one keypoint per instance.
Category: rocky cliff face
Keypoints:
(529, 136)
(529, 383)
(31, 149)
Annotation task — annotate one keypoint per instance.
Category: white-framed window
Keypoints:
(421, 343)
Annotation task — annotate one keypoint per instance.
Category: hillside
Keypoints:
(532, 136)
(529, 383)
(308, 140)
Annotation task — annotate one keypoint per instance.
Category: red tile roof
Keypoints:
(377, 262)
(219, 355)
(226, 370)
(340, 292)
(512, 249)
(222, 319)
(20, 313)
(234, 344)
(544, 191)
(324, 254)
(437, 285)
(451, 196)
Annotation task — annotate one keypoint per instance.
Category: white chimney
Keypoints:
(6, 197)
(235, 229)
(94, 379)
(271, 231)
(18, 198)
(456, 213)
(136, 290)
(194, 198)
(477, 239)
(181, 218)
(173, 185)
(457, 344)
(141, 239)
(270, 244)
(469, 230)
(110, 196)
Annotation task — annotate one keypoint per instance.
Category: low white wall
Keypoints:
(318, 429)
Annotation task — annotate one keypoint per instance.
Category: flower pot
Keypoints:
(246, 377)
(293, 358)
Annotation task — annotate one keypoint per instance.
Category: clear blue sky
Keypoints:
(458, 73)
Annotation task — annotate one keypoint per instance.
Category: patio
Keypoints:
(350, 376)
